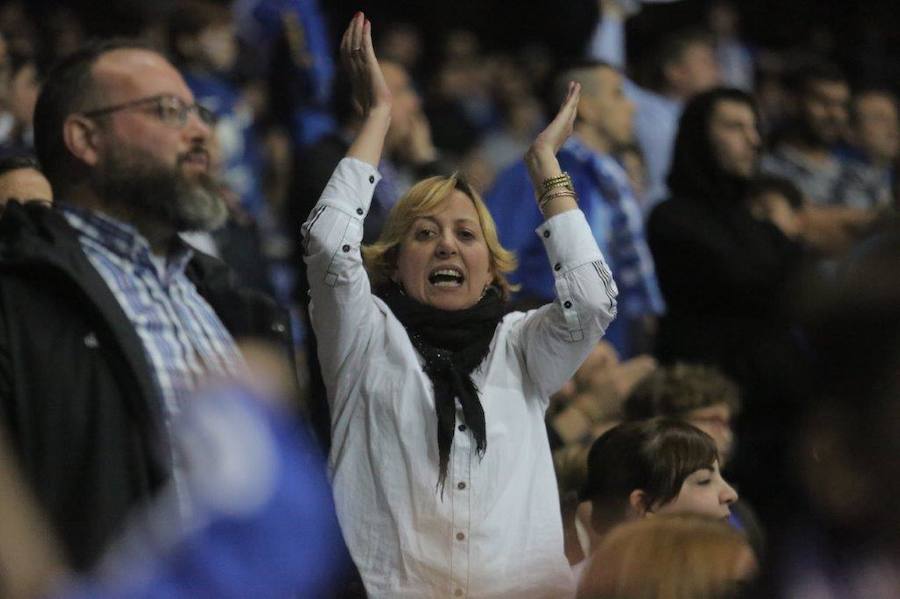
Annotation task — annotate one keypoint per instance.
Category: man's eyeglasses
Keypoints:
(171, 110)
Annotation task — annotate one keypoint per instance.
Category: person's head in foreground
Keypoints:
(440, 247)
(699, 395)
(117, 129)
(676, 556)
(649, 467)
(21, 180)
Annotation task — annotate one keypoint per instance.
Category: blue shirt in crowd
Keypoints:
(606, 198)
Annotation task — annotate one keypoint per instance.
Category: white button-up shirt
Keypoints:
(496, 529)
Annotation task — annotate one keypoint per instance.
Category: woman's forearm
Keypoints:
(369, 142)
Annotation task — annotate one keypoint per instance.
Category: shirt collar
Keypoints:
(121, 238)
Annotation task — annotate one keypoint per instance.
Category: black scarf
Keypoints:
(453, 344)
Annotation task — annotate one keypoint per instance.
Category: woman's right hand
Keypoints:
(371, 95)
(370, 92)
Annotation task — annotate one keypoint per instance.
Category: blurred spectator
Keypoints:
(290, 45)
(603, 126)
(16, 120)
(867, 177)
(777, 200)
(203, 46)
(262, 517)
(805, 154)
(632, 159)
(699, 395)
(736, 64)
(705, 398)
(846, 537)
(685, 65)
(670, 557)
(725, 278)
(401, 43)
(21, 180)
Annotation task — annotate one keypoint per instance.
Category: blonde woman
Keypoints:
(443, 479)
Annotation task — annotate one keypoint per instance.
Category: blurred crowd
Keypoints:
(744, 197)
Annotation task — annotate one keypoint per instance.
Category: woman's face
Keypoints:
(443, 260)
(703, 492)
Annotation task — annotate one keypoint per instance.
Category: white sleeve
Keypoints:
(342, 310)
(555, 339)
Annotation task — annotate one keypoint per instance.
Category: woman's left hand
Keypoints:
(541, 156)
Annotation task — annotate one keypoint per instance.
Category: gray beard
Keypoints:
(149, 192)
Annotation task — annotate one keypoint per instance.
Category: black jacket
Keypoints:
(76, 389)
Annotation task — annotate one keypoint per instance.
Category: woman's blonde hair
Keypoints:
(423, 199)
(669, 557)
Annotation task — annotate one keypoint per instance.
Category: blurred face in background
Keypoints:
(715, 421)
(875, 126)
(406, 105)
(824, 111)
(734, 137)
(694, 72)
(23, 93)
(606, 108)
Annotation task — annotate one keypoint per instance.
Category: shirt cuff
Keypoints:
(568, 241)
(351, 186)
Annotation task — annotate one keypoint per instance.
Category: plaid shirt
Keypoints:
(184, 340)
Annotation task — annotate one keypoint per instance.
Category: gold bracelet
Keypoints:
(564, 179)
(550, 196)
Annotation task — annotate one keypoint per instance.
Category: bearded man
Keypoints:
(108, 320)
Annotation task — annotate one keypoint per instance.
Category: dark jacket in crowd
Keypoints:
(77, 394)
(726, 278)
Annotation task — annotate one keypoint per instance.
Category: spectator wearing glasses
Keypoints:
(109, 320)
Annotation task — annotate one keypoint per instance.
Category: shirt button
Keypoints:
(278, 327)
(371, 178)
(557, 266)
(458, 592)
(461, 486)
(567, 304)
(462, 428)
(346, 248)
(546, 234)
(359, 211)
(460, 536)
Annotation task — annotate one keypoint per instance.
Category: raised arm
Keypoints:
(554, 340)
(541, 157)
(371, 95)
(342, 310)
(608, 40)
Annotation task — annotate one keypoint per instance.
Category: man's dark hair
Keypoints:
(570, 72)
(69, 88)
(812, 72)
(674, 391)
(695, 171)
(17, 162)
(773, 184)
(188, 19)
(655, 456)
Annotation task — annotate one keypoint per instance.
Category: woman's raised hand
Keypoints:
(358, 58)
(541, 156)
(371, 95)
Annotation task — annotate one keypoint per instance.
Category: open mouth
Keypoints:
(446, 277)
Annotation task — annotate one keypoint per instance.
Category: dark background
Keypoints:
(862, 36)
